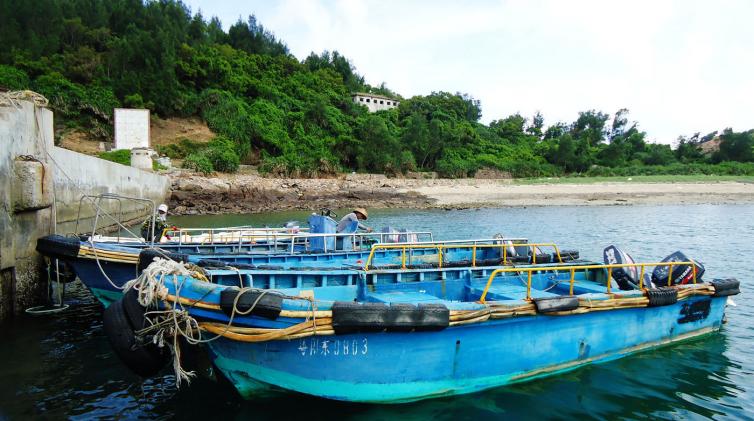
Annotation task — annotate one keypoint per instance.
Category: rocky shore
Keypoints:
(195, 194)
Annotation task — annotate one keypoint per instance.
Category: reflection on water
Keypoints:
(62, 366)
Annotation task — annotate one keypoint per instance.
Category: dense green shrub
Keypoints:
(180, 150)
(217, 155)
(221, 153)
(64, 96)
(455, 163)
(198, 162)
(13, 79)
(133, 101)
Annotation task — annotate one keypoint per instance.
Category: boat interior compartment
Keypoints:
(419, 286)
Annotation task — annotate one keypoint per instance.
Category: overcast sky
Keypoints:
(678, 66)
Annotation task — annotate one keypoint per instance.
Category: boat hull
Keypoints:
(403, 367)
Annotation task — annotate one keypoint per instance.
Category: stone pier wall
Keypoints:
(40, 184)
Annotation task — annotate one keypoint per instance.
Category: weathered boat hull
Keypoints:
(402, 367)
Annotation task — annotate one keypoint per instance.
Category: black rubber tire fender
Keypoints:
(351, 317)
(553, 304)
(147, 256)
(566, 255)
(269, 306)
(243, 265)
(663, 296)
(58, 246)
(138, 358)
(401, 317)
(432, 317)
(457, 264)
(423, 266)
(270, 267)
(726, 287)
(136, 315)
(726, 293)
(134, 311)
(211, 263)
(494, 262)
(542, 258)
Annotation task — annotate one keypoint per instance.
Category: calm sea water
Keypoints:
(62, 366)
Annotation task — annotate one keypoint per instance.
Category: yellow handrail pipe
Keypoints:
(471, 245)
(573, 269)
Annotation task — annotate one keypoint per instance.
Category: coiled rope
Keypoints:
(175, 322)
(14, 98)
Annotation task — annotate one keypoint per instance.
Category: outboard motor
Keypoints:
(627, 278)
(682, 274)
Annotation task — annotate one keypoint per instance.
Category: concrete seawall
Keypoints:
(40, 184)
(78, 174)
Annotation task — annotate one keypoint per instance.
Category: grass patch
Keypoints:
(694, 178)
(121, 156)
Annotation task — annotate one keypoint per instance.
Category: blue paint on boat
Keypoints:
(394, 367)
(402, 367)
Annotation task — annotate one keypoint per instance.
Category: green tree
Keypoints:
(736, 146)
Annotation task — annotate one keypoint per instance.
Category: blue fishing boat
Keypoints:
(391, 335)
(105, 267)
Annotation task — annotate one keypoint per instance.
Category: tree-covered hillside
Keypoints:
(297, 117)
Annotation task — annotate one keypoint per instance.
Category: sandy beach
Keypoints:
(499, 194)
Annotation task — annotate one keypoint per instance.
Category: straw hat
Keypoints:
(362, 211)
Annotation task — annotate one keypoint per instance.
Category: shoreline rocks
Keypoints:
(194, 194)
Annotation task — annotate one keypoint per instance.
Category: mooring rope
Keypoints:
(174, 322)
(14, 98)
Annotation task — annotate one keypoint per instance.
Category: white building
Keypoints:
(374, 102)
(131, 128)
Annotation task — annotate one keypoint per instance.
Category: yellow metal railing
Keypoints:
(573, 269)
(474, 247)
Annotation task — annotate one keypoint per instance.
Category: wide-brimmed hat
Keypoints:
(362, 211)
(162, 208)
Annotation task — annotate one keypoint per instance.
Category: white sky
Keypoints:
(678, 66)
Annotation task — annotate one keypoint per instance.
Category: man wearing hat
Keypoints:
(352, 219)
(160, 225)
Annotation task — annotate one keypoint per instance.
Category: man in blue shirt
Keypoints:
(352, 219)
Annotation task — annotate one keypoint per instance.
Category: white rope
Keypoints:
(14, 98)
(150, 287)
(151, 283)
(174, 322)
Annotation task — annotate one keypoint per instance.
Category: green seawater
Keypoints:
(62, 366)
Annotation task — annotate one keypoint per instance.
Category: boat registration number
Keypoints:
(336, 348)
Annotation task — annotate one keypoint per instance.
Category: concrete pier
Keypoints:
(40, 188)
